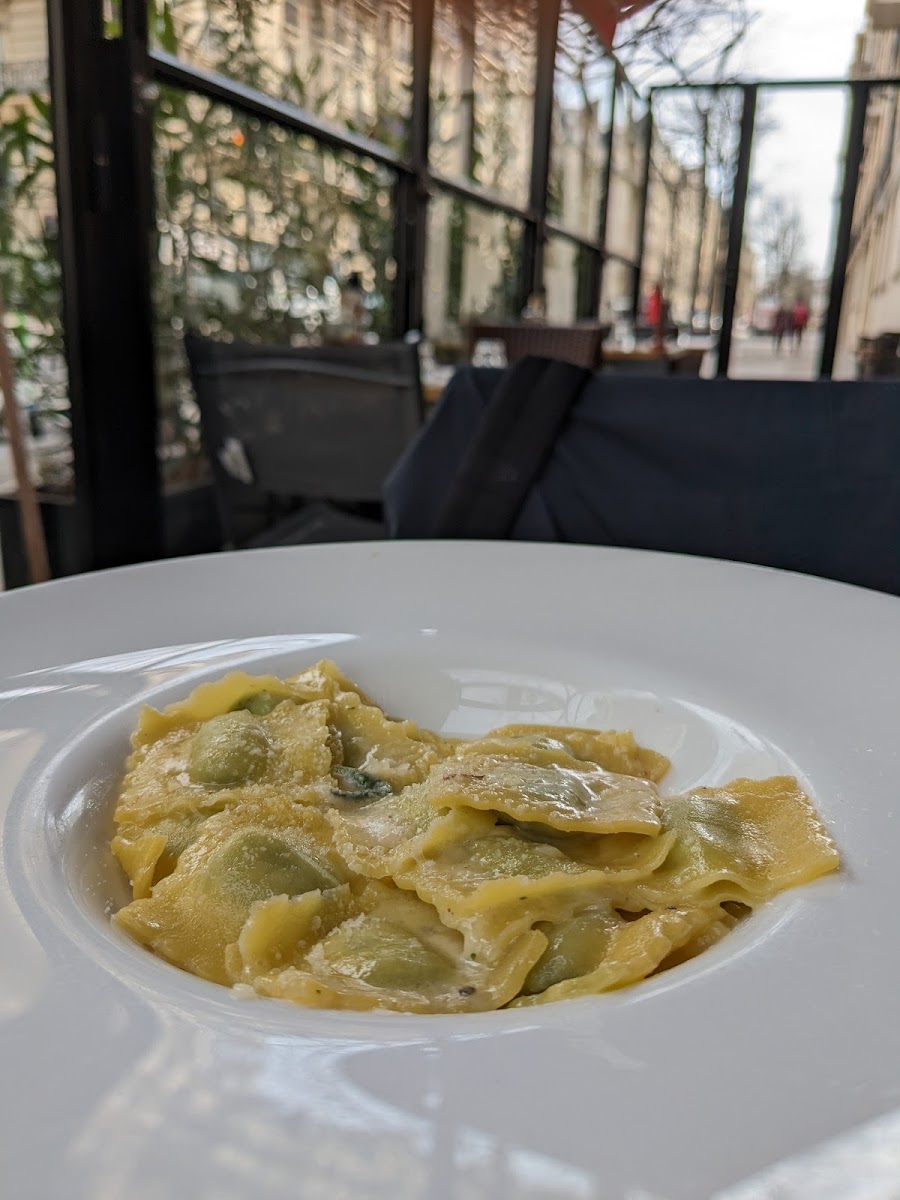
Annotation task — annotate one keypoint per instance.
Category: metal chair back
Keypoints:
(283, 426)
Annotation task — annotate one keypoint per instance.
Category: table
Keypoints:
(683, 360)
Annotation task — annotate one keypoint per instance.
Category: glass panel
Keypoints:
(482, 93)
(30, 274)
(615, 296)
(112, 19)
(257, 232)
(471, 270)
(349, 61)
(688, 206)
(627, 174)
(870, 318)
(561, 263)
(583, 93)
(789, 234)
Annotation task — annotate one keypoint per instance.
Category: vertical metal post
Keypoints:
(701, 231)
(608, 147)
(73, 184)
(853, 155)
(412, 188)
(103, 224)
(588, 271)
(535, 234)
(637, 280)
(736, 224)
(466, 16)
(598, 261)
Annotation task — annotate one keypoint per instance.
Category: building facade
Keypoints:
(872, 293)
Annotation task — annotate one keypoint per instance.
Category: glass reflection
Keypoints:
(789, 234)
(482, 93)
(561, 279)
(616, 291)
(583, 85)
(349, 61)
(257, 232)
(471, 270)
(30, 273)
(688, 205)
(626, 173)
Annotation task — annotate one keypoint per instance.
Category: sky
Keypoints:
(803, 39)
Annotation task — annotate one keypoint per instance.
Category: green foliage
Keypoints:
(29, 262)
(487, 152)
(256, 228)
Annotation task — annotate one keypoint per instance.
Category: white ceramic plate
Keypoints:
(770, 1066)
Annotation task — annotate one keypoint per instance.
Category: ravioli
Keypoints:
(571, 796)
(266, 848)
(397, 954)
(743, 843)
(286, 835)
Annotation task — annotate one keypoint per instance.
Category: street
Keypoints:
(755, 357)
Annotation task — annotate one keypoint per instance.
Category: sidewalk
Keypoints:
(755, 357)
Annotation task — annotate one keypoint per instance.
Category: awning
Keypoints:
(605, 15)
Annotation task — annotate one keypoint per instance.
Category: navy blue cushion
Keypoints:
(804, 476)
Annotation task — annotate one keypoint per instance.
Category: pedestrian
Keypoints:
(800, 317)
(781, 325)
(656, 314)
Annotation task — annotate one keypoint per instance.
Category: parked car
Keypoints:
(762, 319)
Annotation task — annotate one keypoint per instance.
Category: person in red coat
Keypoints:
(655, 314)
(800, 321)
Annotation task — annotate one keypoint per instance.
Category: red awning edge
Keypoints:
(605, 15)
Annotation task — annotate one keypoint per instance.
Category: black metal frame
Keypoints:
(853, 156)
(736, 224)
(101, 132)
(860, 91)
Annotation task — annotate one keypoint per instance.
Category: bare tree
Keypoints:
(680, 41)
(691, 41)
(782, 242)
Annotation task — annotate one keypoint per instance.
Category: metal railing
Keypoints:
(104, 84)
(105, 81)
(417, 181)
(861, 91)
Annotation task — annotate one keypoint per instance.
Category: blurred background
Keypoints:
(713, 181)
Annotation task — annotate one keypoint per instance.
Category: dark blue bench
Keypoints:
(804, 476)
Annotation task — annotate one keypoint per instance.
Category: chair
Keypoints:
(578, 344)
(783, 473)
(879, 357)
(301, 439)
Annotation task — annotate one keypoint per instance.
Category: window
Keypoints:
(482, 94)
(582, 100)
(245, 43)
(472, 268)
(29, 244)
(256, 231)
